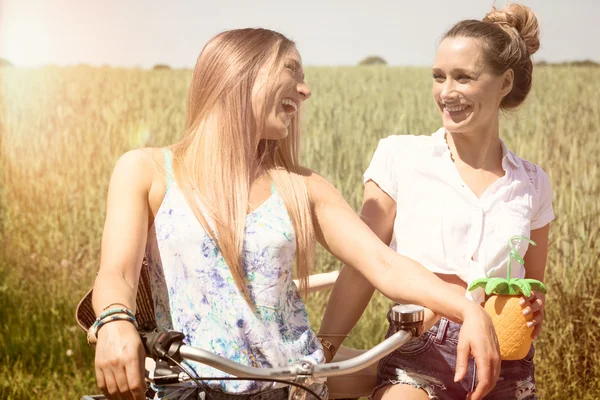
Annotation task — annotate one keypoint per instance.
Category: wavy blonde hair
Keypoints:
(212, 163)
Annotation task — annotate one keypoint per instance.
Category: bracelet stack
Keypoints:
(107, 316)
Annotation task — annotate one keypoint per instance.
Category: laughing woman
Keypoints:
(451, 201)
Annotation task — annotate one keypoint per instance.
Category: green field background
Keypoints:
(62, 129)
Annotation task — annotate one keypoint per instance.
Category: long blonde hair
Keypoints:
(212, 162)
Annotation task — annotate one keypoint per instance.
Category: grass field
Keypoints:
(62, 129)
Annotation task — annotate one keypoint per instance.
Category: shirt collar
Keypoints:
(508, 155)
(441, 147)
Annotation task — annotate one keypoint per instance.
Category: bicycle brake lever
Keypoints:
(164, 343)
(164, 374)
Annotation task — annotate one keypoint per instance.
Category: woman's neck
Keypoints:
(480, 149)
(256, 169)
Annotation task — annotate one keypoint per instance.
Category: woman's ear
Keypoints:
(508, 79)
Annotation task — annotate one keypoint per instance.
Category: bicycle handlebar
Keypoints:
(303, 367)
(408, 320)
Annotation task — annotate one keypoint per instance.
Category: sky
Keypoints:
(142, 33)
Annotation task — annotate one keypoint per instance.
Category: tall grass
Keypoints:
(62, 129)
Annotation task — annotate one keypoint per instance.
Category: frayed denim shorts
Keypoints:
(428, 363)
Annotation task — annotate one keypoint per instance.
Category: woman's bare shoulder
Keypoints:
(318, 187)
(141, 167)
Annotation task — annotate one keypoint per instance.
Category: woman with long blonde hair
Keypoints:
(222, 215)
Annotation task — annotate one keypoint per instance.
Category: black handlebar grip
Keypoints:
(162, 343)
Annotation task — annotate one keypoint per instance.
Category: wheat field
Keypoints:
(62, 129)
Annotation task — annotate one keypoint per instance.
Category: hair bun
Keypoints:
(522, 19)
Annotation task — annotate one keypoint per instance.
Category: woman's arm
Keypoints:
(535, 268)
(535, 257)
(342, 232)
(119, 352)
(343, 311)
(125, 232)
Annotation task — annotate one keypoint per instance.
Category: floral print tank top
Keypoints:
(194, 291)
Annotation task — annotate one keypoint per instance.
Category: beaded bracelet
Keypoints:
(114, 311)
(117, 314)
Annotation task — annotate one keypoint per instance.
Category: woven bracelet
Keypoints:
(92, 335)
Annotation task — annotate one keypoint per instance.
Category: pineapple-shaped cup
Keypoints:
(503, 306)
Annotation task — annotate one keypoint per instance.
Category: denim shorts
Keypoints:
(428, 363)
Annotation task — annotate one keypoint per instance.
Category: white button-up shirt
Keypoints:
(442, 224)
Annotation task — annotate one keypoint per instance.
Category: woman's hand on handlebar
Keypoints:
(119, 362)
